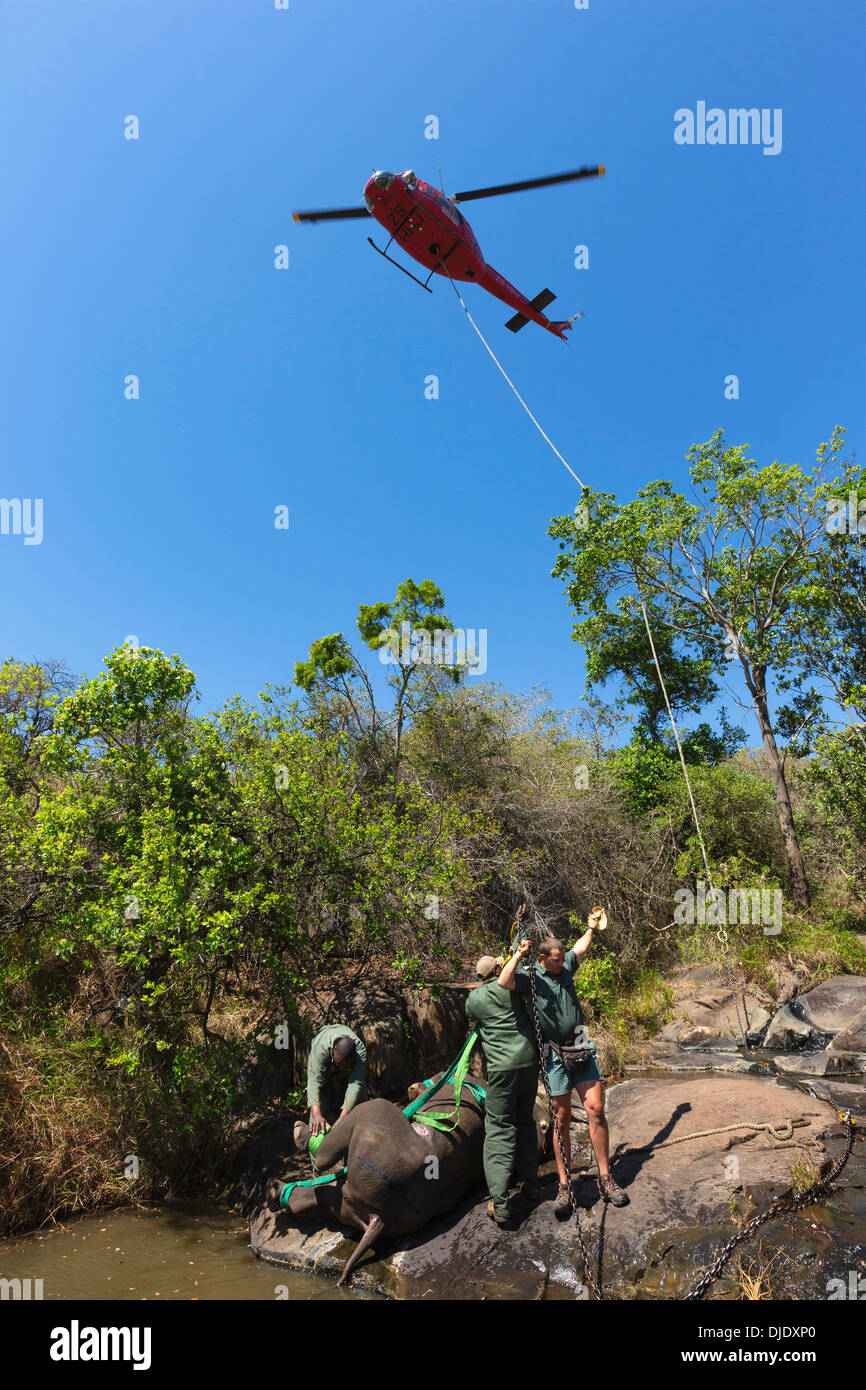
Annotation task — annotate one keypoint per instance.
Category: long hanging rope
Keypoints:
(511, 384)
(722, 934)
(786, 1203)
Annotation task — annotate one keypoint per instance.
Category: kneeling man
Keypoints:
(336, 1076)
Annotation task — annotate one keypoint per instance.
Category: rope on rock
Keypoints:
(778, 1136)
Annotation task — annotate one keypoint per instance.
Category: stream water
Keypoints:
(181, 1250)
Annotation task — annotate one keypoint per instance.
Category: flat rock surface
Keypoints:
(671, 1058)
(824, 1063)
(682, 1198)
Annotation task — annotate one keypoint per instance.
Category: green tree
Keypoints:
(725, 573)
(413, 637)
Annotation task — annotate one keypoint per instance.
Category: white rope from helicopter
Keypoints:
(722, 934)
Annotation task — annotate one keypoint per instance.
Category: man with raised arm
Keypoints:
(561, 1021)
(510, 1138)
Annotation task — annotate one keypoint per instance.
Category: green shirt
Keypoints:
(504, 1027)
(559, 1010)
(321, 1069)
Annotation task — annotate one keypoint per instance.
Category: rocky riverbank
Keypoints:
(709, 1134)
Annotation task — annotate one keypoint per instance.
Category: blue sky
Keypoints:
(306, 387)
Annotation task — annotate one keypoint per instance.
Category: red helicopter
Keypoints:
(431, 229)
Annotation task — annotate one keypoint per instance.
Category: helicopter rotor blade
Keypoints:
(585, 173)
(329, 214)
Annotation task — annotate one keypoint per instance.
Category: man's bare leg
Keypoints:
(592, 1099)
(562, 1111)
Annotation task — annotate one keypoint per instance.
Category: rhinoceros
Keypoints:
(400, 1173)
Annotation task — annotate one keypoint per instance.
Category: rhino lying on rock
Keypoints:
(401, 1174)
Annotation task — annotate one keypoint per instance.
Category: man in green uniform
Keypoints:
(510, 1137)
(561, 1021)
(336, 1075)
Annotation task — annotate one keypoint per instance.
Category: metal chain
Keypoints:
(781, 1204)
(587, 1272)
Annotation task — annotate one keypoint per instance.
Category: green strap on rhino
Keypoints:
(445, 1120)
(308, 1182)
(448, 1120)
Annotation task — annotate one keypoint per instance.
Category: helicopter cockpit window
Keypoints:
(383, 180)
(410, 178)
(447, 206)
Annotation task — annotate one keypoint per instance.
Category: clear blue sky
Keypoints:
(305, 387)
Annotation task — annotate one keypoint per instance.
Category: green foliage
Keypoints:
(642, 771)
(596, 984)
(168, 880)
(736, 574)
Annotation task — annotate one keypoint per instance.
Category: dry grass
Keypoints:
(753, 1280)
(805, 1172)
(61, 1145)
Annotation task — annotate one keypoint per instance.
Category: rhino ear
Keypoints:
(301, 1135)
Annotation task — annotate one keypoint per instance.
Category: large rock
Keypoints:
(682, 1199)
(844, 1095)
(824, 1063)
(788, 1030)
(707, 1012)
(833, 1006)
(461, 1256)
(852, 1039)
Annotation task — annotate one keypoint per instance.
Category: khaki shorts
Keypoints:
(561, 1081)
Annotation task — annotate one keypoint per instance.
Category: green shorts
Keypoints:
(561, 1082)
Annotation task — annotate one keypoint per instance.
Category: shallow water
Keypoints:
(183, 1250)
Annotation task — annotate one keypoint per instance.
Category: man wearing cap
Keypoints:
(510, 1137)
(336, 1076)
(561, 1020)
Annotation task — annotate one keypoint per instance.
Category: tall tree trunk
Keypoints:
(793, 853)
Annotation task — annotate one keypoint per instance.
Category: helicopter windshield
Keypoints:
(383, 180)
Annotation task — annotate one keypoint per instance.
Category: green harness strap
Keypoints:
(448, 1120)
(308, 1182)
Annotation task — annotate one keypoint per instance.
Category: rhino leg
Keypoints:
(372, 1229)
(325, 1199)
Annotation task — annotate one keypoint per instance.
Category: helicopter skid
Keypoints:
(384, 253)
